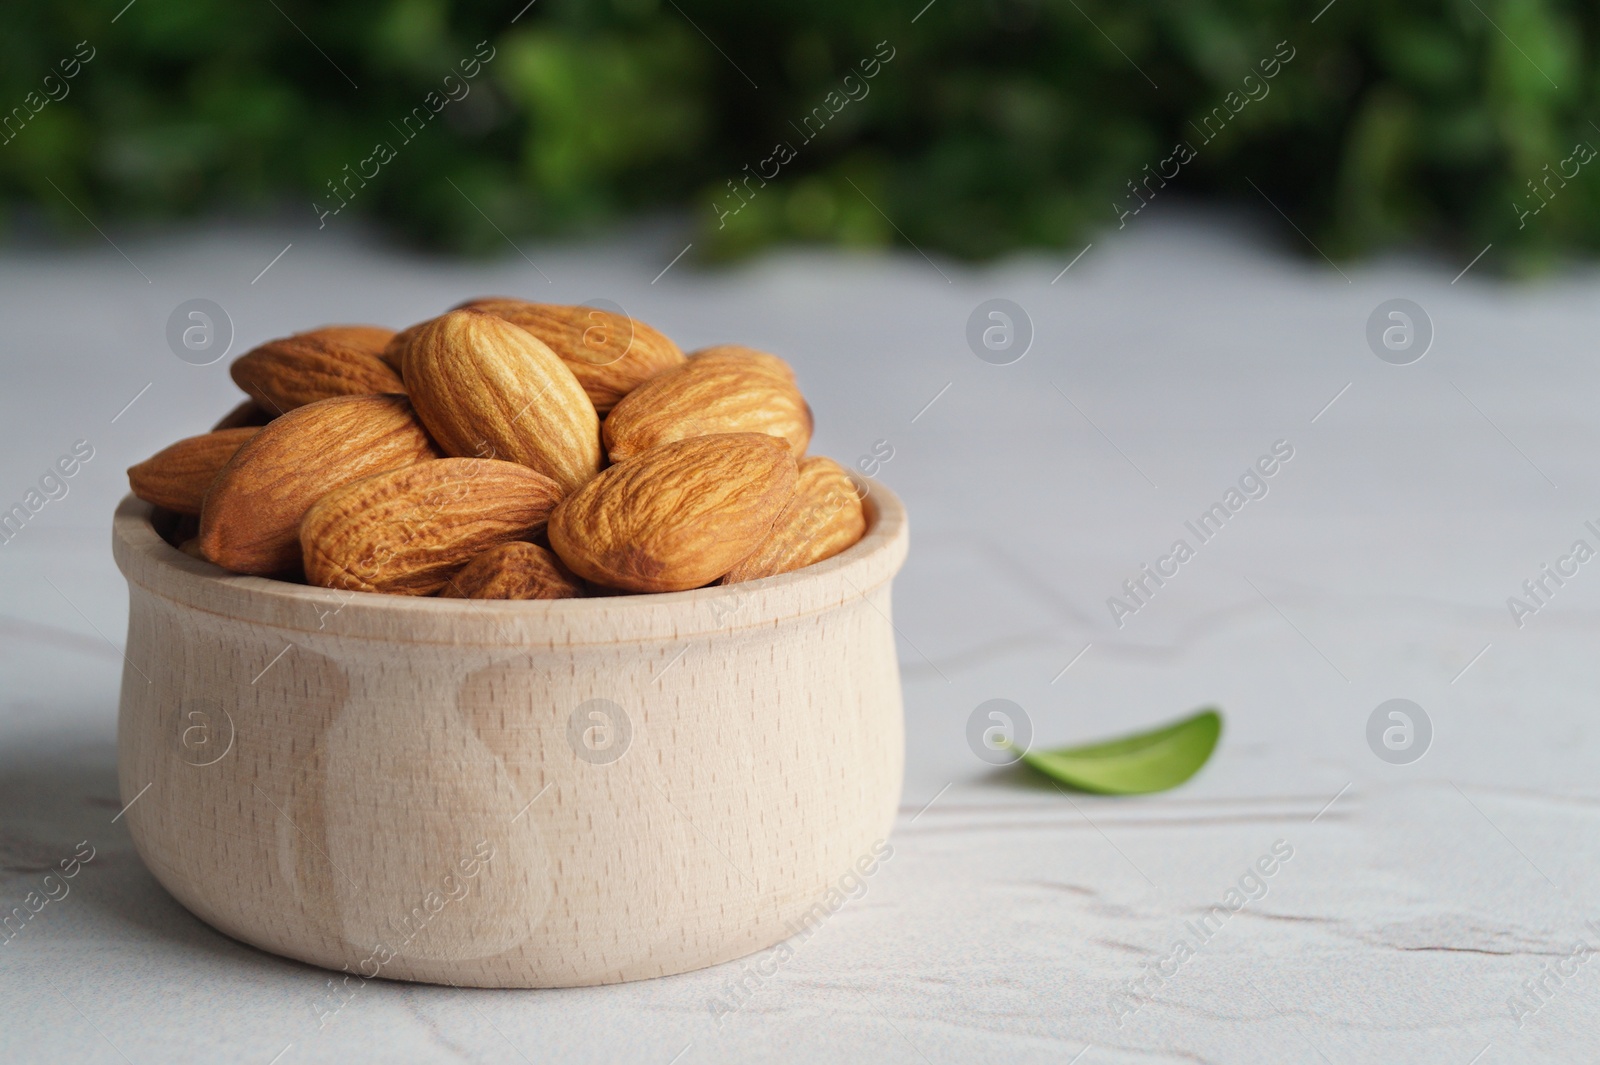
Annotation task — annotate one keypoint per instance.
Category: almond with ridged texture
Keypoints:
(406, 531)
(750, 358)
(721, 390)
(177, 476)
(610, 354)
(488, 389)
(248, 413)
(394, 352)
(514, 571)
(338, 360)
(678, 516)
(250, 522)
(824, 518)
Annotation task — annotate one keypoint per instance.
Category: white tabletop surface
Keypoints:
(1430, 911)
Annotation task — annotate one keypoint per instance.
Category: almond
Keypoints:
(489, 389)
(824, 517)
(678, 516)
(610, 354)
(721, 390)
(173, 527)
(514, 571)
(750, 358)
(338, 360)
(394, 352)
(250, 521)
(406, 531)
(247, 413)
(176, 477)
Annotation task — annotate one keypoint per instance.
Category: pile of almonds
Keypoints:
(506, 450)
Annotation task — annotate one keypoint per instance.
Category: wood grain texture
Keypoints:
(421, 787)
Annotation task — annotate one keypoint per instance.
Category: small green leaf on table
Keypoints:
(1135, 765)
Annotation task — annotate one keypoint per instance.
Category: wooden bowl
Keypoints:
(510, 794)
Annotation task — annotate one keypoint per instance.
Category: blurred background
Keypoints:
(966, 128)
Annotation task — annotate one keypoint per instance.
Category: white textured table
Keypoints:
(1429, 912)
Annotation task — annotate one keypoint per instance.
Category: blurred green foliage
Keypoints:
(997, 124)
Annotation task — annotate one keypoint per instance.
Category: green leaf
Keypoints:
(1135, 765)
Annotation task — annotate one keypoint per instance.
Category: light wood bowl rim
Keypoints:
(154, 565)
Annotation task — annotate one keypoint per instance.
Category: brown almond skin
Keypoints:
(248, 413)
(177, 476)
(406, 531)
(337, 360)
(514, 571)
(610, 354)
(747, 357)
(824, 518)
(722, 390)
(250, 521)
(394, 352)
(488, 389)
(678, 516)
(173, 527)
